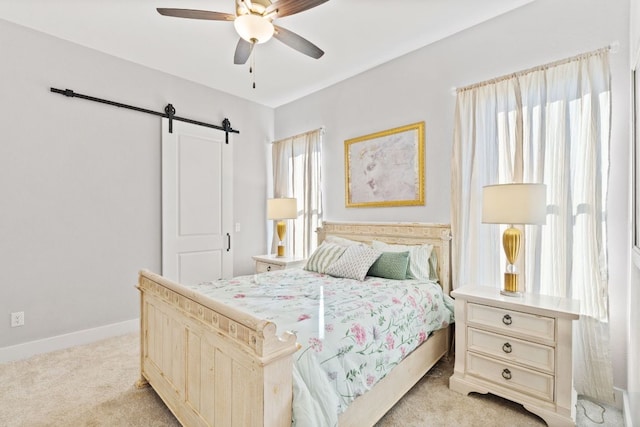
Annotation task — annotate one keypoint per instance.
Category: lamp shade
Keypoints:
(282, 208)
(514, 204)
(254, 28)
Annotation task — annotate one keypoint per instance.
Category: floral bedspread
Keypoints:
(352, 333)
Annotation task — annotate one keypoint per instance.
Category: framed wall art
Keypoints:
(385, 168)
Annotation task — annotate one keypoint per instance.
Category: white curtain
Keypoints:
(297, 165)
(545, 125)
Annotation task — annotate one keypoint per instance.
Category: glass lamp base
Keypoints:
(510, 293)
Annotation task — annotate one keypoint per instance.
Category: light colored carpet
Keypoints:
(93, 385)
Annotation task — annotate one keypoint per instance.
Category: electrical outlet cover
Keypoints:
(17, 319)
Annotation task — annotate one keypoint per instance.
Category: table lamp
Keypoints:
(281, 209)
(513, 204)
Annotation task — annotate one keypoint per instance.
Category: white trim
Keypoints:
(626, 409)
(618, 398)
(635, 256)
(31, 348)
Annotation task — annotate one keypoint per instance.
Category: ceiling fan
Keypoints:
(254, 23)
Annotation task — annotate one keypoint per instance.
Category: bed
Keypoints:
(214, 364)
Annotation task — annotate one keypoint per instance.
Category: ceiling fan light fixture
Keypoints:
(254, 28)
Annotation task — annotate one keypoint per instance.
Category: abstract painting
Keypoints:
(385, 168)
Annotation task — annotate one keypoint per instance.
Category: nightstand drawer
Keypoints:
(262, 267)
(273, 262)
(510, 322)
(511, 349)
(509, 375)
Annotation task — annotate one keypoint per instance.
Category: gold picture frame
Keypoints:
(385, 168)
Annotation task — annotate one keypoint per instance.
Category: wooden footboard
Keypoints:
(213, 365)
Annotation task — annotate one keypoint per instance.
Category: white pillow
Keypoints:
(354, 262)
(418, 257)
(433, 266)
(323, 257)
(342, 241)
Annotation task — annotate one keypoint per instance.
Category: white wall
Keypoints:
(418, 87)
(633, 337)
(80, 181)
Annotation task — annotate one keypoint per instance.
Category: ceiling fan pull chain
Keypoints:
(252, 67)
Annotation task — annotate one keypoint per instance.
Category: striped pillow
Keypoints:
(324, 255)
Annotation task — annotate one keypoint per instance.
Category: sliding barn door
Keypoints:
(196, 203)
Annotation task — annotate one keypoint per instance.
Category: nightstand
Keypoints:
(273, 262)
(519, 348)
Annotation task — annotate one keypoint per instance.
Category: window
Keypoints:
(297, 163)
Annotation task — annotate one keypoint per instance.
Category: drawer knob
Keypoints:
(268, 268)
(506, 319)
(506, 347)
(506, 374)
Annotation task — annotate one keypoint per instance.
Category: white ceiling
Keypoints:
(356, 35)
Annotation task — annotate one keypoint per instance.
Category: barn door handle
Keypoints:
(228, 242)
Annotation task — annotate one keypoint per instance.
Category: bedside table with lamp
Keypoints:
(280, 210)
(510, 343)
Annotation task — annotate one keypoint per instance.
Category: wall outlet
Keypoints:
(17, 319)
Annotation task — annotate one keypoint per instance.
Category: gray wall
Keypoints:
(418, 87)
(80, 181)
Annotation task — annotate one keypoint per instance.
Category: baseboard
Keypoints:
(59, 342)
(626, 414)
(618, 398)
(631, 409)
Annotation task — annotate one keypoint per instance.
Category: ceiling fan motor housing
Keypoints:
(256, 6)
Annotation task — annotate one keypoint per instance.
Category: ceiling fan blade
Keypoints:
(297, 42)
(196, 14)
(243, 51)
(289, 7)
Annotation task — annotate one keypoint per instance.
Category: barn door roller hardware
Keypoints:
(169, 112)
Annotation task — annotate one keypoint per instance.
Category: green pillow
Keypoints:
(391, 265)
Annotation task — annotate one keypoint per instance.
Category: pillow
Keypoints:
(323, 256)
(418, 257)
(354, 262)
(391, 265)
(341, 241)
(433, 266)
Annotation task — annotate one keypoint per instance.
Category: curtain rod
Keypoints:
(613, 48)
(321, 129)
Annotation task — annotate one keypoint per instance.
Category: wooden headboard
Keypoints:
(409, 233)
